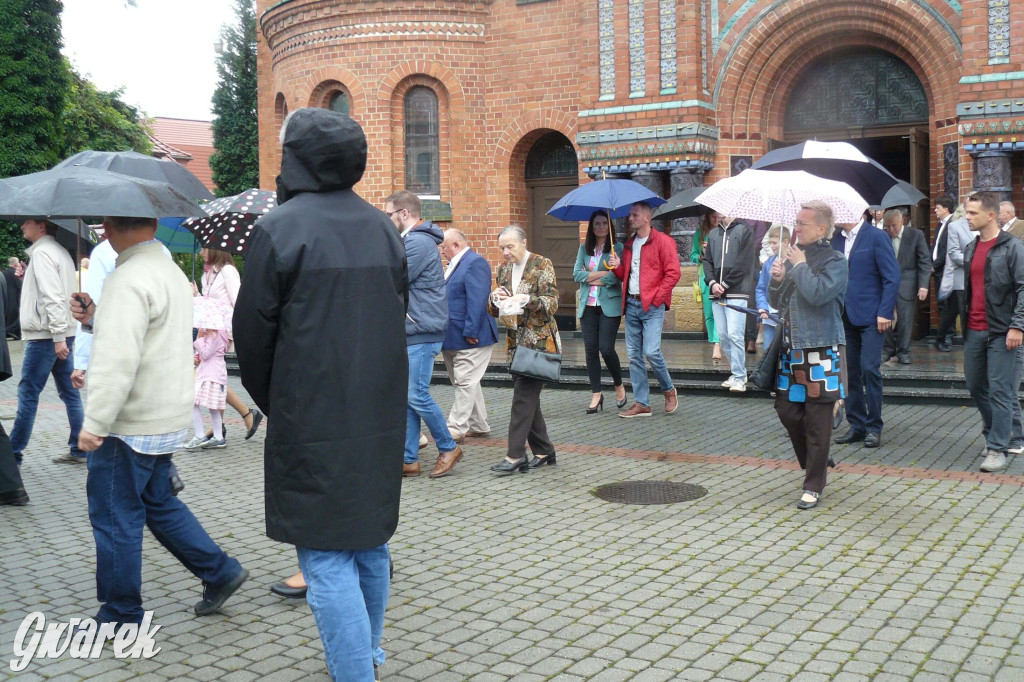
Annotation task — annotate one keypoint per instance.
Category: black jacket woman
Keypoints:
(600, 307)
(808, 288)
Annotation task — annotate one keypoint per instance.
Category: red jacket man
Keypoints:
(649, 269)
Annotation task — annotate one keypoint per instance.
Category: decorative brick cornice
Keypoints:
(656, 147)
(441, 30)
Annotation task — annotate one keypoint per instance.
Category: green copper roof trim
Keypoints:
(993, 77)
(656, 106)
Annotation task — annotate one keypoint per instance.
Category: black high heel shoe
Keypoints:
(595, 408)
(541, 460)
(622, 403)
(507, 467)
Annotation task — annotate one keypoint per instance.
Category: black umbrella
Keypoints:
(144, 167)
(76, 191)
(230, 220)
(834, 161)
(902, 194)
(681, 205)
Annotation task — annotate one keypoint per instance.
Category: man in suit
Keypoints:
(1008, 220)
(911, 249)
(952, 238)
(472, 333)
(867, 316)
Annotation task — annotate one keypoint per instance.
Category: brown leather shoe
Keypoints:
(478, 434)
(671, 401)
(445, 462)
(411, 469)
(637, 410)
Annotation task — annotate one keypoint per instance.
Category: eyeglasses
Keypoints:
(391, 213)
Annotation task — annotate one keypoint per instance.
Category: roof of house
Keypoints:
(180, 132)
(190, 143)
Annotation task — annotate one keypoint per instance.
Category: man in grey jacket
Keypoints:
(425, 325)
(49, 333)
(950, 285)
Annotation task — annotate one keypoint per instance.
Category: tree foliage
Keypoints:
(235, 163)
(99, 120)
(34, 85)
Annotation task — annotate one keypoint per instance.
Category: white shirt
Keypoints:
(453, 262)
(634, 266)
(517, 272)
(938, 237)
(1009, 224)
(851, 237)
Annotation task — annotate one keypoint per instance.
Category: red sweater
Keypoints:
(659, 270)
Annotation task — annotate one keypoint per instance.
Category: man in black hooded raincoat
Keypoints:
(319, 328)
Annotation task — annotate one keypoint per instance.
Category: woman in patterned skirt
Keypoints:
(808, 288)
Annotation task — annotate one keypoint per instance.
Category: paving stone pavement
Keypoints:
(908, 570)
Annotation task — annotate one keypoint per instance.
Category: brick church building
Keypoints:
(493, 109)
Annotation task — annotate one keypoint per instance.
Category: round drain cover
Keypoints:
(650, 492)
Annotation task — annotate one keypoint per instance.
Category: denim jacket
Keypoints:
(814, 292)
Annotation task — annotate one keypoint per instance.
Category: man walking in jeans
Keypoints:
(993, 357)
(49, 332)
(650, 268)
(140, 404)
(425, 324)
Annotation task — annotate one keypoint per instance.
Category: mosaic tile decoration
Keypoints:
(637, 49)
(668, 44)
(606, 50)
(998, 31)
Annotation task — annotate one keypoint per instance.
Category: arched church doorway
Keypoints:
(874, 100)
(551, 171)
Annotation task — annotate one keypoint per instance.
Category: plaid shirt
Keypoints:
(160, 444)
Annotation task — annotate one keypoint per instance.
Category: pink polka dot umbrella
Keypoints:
(230, 220)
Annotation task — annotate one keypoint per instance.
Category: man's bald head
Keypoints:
(454, 242)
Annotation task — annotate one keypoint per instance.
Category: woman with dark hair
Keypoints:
(708, 222)
(221, 282)
(600, 307)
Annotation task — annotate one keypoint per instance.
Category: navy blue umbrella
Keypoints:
(614, 196)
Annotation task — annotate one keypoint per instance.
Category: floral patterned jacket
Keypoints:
(536, 326)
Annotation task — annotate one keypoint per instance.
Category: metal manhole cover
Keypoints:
(650, 492)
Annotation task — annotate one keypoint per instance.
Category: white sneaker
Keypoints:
(214, 444)
(994, 461)
(1015, 449)
(194, 443)
(728, 383)
(738, 387)
(423, 441)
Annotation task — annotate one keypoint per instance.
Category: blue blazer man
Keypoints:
(870, 297)
(468, 287)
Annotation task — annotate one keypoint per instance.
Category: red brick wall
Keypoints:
(534, 67)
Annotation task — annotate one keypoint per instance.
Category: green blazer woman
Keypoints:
(609, 296)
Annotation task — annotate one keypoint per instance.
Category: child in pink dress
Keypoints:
(211, 387)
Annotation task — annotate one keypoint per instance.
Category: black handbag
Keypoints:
(536, 364)
(767, 371)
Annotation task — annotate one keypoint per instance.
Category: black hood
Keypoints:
(323, 151)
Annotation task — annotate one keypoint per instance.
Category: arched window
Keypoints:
(422, 144)
(280, 110)
(338, 102)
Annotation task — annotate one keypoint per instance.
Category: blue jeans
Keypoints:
(422, 405)
(864, 370)
(39, 363)
(992, 375)
(731, 326)
(643, 340)
(768, 333)
(348, 594)
(127, 490)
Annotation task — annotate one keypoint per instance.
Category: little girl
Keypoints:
(211, 387)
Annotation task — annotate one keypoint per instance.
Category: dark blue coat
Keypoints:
(874, 276)
(468, 287)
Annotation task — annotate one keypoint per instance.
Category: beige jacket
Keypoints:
(140, 371)
(46, 292)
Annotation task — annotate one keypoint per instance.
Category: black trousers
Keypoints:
(10, 478)
(949, 310)
(526, 425)
(810, 430)
(599, 332)
(897, 338)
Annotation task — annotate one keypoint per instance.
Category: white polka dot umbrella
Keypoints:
(230, 220)
(776, 196)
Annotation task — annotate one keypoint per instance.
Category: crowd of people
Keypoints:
(339, 297)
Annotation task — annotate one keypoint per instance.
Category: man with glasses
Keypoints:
(425, 327)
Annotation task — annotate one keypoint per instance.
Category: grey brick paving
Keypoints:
(533, 578)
